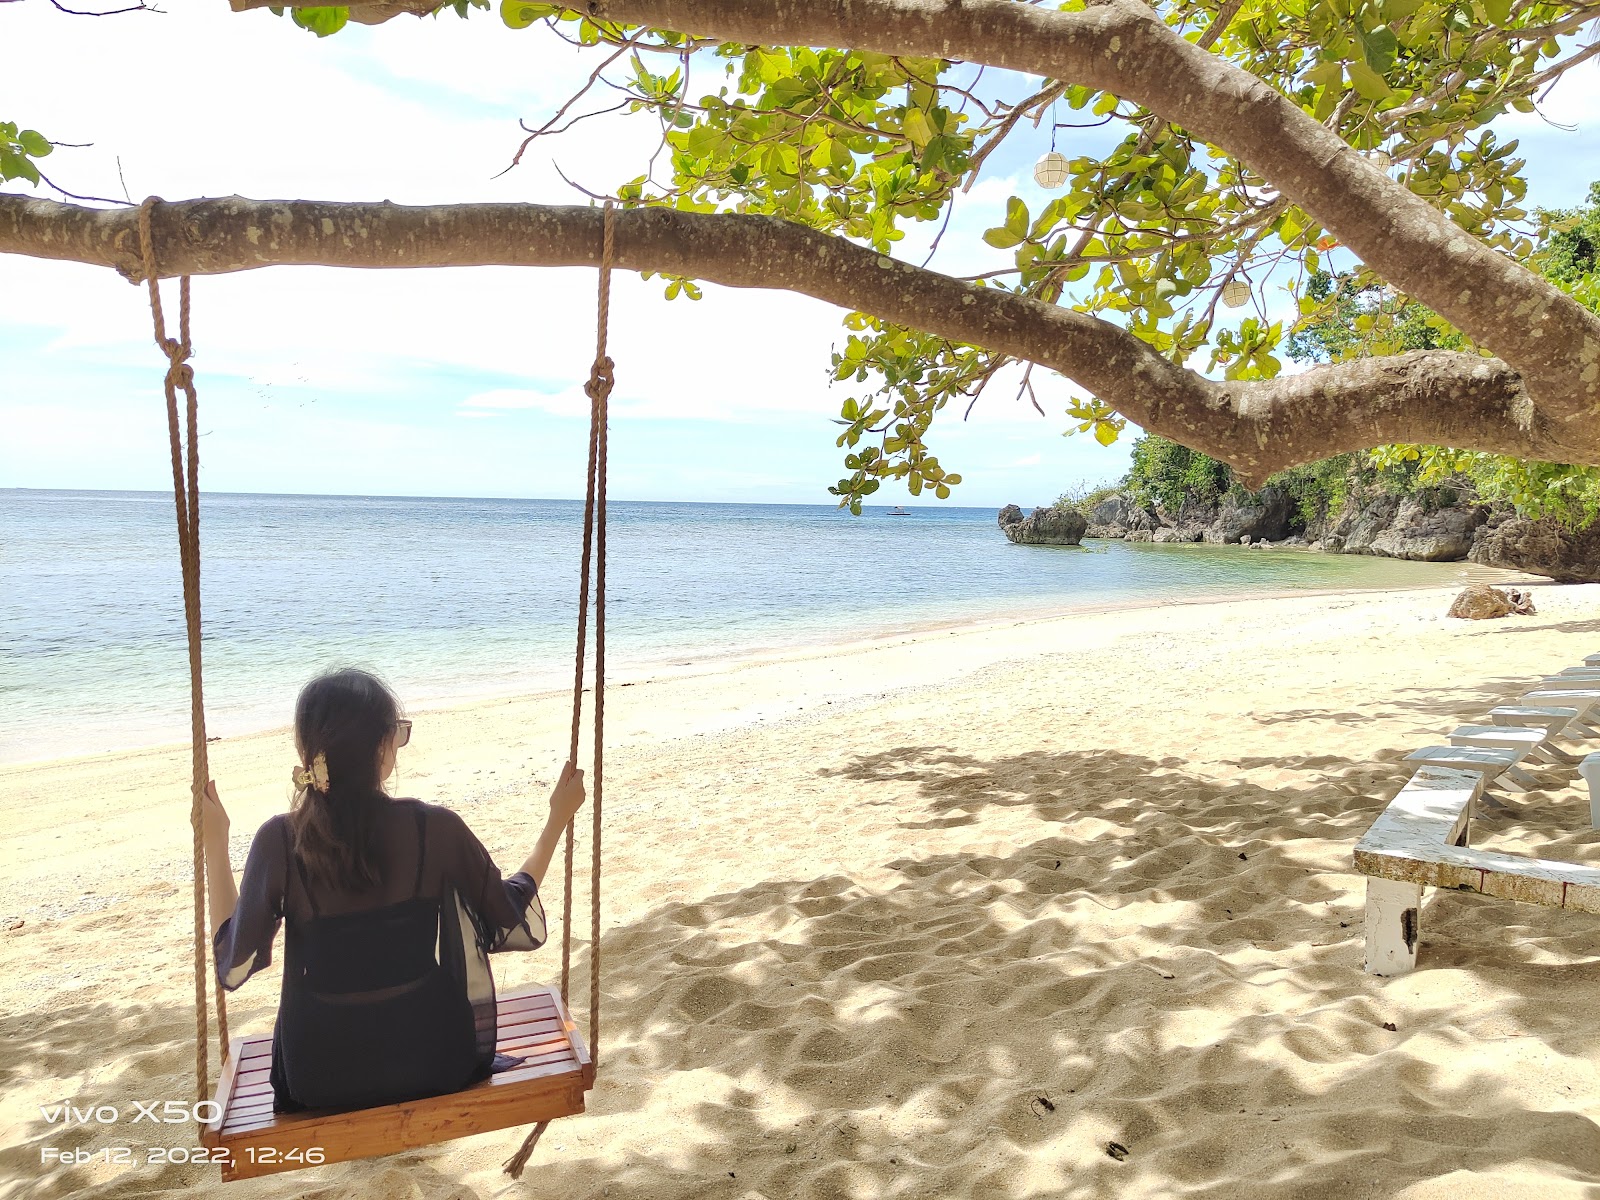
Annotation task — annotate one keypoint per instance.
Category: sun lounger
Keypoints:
(1583, 700)
(1489, 762)
(1569, 683)
(1533, 742)
(1552, 719)
(1421, 840)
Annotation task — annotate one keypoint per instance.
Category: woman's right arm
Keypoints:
(565, 801)
(509, 912)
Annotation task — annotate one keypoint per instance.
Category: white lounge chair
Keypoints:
(1502, 737)
(1489, 762)
(1552, 719)
(1584, 700)
(1420, 840)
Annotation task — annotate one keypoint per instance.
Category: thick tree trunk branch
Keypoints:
(1436, 397)
(1123, 47)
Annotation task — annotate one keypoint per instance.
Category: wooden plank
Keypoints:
(1492, 873)
(1432, 809)
(224, 1092)
(550, 1085)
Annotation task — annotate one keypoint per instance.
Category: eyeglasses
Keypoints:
(402, 733)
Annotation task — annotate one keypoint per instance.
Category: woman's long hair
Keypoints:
(344, 716)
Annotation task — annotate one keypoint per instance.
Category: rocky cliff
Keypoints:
(1436, 525)
(1541, 547)
(1429, 526)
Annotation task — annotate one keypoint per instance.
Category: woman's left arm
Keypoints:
(245, 919)
(222, 893)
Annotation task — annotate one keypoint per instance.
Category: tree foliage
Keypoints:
(1153, 224)
(1361, 318)
(18, 149)
(1147, 233)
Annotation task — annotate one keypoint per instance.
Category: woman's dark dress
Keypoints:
(387, 994)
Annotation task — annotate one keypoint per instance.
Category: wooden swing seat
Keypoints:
(532, 1023)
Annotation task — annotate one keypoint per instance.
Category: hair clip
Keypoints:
(314, 776)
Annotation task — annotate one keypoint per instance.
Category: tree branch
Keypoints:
(1123, 47)
(1257, 428)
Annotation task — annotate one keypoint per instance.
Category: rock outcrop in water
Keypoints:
(1046, 527)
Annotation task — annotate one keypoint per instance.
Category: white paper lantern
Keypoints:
(1051, 171)
(1236, 293)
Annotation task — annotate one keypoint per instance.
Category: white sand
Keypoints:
(938, 918)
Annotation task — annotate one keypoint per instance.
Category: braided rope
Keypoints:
(601, 379)
(186, 499)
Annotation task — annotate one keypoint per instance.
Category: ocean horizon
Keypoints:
(452, 598)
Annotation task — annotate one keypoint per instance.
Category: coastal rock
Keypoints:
(1138, 535)
(1261, 516)
(1542, 547)
(1480, 602)
(1189, 521)
(1117, 516)
(1360, 524)
(1425, 531)
(1169, 535)
(1046, 527)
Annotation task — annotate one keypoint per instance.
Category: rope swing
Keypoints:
(601, 380)
(186, 498)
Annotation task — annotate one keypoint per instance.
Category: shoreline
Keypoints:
(807, 651)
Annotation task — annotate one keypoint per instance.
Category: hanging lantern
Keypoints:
(1236, 293)
(1051, 171)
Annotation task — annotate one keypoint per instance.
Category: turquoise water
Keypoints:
(450, 599)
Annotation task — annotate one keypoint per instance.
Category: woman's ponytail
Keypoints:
(341, 720)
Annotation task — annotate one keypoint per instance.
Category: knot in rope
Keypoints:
(602, 378)
(180, 374)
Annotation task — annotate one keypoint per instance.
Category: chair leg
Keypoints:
(1394, 920)
(1522, 779)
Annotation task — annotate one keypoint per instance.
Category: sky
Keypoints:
(461, 382)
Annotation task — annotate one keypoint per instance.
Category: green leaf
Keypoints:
(1001, 238)
(1105, 432)
(1498, 11)
(517, 14)
(1016, 218)
(1367, 81)
(35, 143)
(322, 21)
(1380, 46)
(1327, 74)
(916, 127)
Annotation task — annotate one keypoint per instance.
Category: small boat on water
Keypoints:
(897, 511)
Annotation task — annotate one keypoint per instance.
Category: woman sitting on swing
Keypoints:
(393, 907)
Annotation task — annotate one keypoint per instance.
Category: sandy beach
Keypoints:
(938, 917)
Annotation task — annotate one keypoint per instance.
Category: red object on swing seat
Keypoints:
(533, 1023)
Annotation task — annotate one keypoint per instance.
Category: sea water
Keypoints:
(451, 599)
